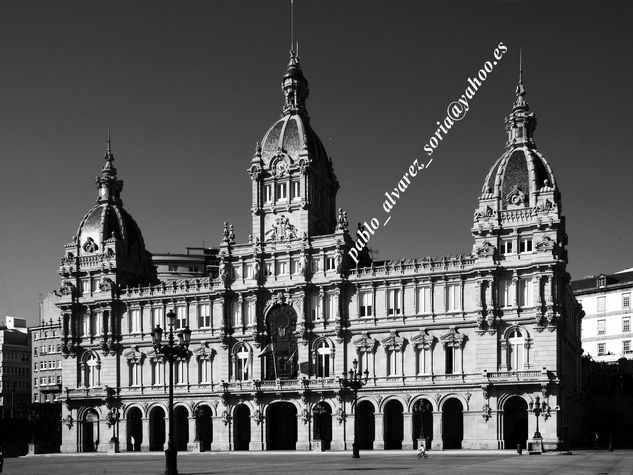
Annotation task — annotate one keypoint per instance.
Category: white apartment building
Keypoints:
(606, 327)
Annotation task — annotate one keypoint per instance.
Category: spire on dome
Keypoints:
(520, 124)
(107, 183)
(294, 86)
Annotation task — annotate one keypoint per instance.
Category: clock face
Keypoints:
(281, 167)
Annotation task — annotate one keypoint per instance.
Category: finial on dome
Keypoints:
(520, 102)
(109, 148)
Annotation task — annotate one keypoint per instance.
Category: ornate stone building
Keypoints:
(455, 347)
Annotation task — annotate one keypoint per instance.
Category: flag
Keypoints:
(267, 349)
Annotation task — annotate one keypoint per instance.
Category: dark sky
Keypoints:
(189, 87)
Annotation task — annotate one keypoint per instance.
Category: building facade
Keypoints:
(455, 347)
(46, 358)
(15, 366)
(606, 326)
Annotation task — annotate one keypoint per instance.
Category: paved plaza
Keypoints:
(503, 462)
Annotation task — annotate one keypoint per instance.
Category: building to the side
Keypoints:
(606, 327)
(15, 368)
(456, 347)
(46, 368)
(195, 262)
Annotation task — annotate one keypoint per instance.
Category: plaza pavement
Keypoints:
(383, 462)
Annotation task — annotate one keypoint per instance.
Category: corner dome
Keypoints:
(517, 177)
(109, 221)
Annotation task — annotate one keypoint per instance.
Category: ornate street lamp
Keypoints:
(354, 382)
(172, 351)
(537, 409)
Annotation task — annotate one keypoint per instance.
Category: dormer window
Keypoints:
(295, 191)
(282, 192)
(602, 281)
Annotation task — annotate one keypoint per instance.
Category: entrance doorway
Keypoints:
(515, 422)
(241, 427)
(134, 430)
(452, 424)
(366, 429)
(90, 431)
(281, 427)
(157, 429)
(394, 427)
(322, 424)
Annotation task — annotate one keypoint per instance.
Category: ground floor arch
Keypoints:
(181, 427)
(281, 426)
(134, 430)
(515, 422)
(422, 423)
(204, 427)
(365, 424)
(393, 424)
(322, 424)
(157, 429)
(241, 427)
(90, 431)
(452, 424)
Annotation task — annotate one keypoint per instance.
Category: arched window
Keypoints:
(242, 358)
(323, 353)
(91, 370)
(515, 350)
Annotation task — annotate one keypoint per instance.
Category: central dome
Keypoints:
(291, 135)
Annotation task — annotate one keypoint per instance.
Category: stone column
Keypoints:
(145, 434)
(222, 439)
(379, 441)
(407, 439)
(339, 441)
(303, 433)
(348, 431)
(438, 443)
(257, 434)
(166, 429)
(191, 443)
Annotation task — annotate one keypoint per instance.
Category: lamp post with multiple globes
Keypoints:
(354, 381)
(171, 351)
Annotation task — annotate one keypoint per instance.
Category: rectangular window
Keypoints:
(135, 321)
(235, 314)
(366, 309)
(296, 194)
(315, 264)
(181, 371)
(626, 347)
(158, 372)
(249, 312)
(453, 297)
(626, 324)
(602, 349)
(135, 374)
(157, 318)
(505, 297)
(506, 247)
(393, 302)
(84, 286)
(204, 371)
(602, 303)
(424, 300)
(331, 263)
(526, 292)
(330, 309)
(281, 192)
(269, 268)
(268, 195)
(282, 268)
(172, 268)
(249, 271)
(626, 300)
(204, 315)
(181, 318)
(602, 327)
(392, 362)
(315, 313)
(449, 360)
(294, 266)
(525, 245)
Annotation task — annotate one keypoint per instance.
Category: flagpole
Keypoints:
(272, 342)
